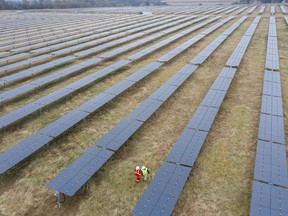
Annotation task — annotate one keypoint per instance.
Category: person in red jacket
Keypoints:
(137, 173)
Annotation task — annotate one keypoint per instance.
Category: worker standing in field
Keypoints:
(137, 173)
(145, 171)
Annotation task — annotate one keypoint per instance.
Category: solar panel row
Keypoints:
(231, 10)
(164, 190)
(286, 19)
(272, 10)
(241, 10)
(262, 9)
(12, 59)
(272, 58)
(116, 137)
(252, 9)
(222, 10)
(270, 171)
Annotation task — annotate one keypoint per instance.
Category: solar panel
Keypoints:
(79, 172)
(213, 98)
(16, 115)
(283, 9)
(173, 53)
(241, 10)
(272, 10)
(13, 58)
(162, 194)
(252, 9)
(262, 9)
(7, 95)
(143, 72)
(271, 105)
(13, 156)
(64, 123)
(268, 200)
(270, 164)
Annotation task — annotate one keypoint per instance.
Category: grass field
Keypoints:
(221, 180)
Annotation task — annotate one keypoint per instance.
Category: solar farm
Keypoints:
(197, 94)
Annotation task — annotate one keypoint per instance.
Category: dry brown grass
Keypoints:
(220, 183)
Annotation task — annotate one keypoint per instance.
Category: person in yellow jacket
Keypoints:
(145, 171)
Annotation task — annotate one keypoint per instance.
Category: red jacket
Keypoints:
(137, 173)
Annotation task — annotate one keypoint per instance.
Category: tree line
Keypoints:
(53, 4)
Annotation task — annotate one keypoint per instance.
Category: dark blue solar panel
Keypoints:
(193, 149)
(271, 128)
(268, 200)
(96, 102)
(164, 92)
(24, 149)
(18, 114)
(143, 72)
(64, 123)
(116, 137)
(119, 87)
(163, 192)
(203, 118)
(271, 105)
(8, 95)
(80, 171)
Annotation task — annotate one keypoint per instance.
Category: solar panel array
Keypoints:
(270, 192)
(73, 37)
(26, 63)
(117, 136)
(16, 92)
(53, 97)
(165, 188)
(14, 155)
